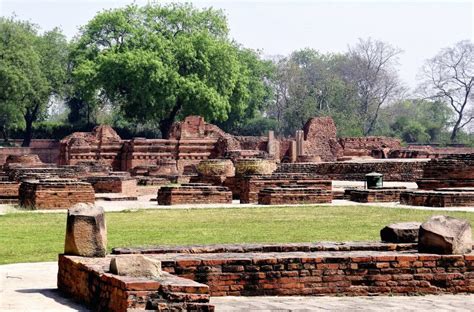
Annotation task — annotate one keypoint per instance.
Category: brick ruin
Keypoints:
(194, 273)
(446, 182)
(54, 193)
(199, 153)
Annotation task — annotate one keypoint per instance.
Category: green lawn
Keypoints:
(30, 237)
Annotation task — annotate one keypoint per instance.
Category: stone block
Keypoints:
(135, 266)
(403, 232)
(86, 232)
(445, 235)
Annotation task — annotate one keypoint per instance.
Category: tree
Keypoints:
(159, 63)
(33, 68)
(308, 84)
(371, 68)
(449, 77)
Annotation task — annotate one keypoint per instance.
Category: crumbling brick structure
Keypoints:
(54, 193)
(194, 193)
(294, 194)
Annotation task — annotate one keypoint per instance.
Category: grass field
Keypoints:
(31, 237)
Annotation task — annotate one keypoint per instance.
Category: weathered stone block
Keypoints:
(445, 235)
(403, 232)
(136, 266)
(86, 232)
(254, 166)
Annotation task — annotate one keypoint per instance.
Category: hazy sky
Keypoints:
(420, 28)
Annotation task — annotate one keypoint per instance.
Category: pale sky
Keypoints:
(419, 28)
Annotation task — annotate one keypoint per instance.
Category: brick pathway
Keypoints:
(458, 303)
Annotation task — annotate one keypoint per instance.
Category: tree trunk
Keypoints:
(166, 123)
(454, 133)
(28, 132)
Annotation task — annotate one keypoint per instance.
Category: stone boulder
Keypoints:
(403, 232)
(445, 235)
(135, 266)
(86, 233)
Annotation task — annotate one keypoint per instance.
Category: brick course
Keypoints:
(54, 193)
(194, 193)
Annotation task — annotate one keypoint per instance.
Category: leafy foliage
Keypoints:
(162, 62)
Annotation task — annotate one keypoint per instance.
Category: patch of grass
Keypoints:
(30, 237)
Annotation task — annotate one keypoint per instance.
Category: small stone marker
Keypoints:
(86, 233)
(403, 232)
(445, 235)
(135, 266)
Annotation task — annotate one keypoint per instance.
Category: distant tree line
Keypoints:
(141, 68)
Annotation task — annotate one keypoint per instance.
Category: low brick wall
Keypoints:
(250, 186)
(313, 269)
(375, 195)
(113, 184)
(431, 184)
(87, 281)
(54, 194)
(9, 189)
(294, 195)
(437, 198)
(194, 193)
(393, 170)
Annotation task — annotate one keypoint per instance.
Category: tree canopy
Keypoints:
(159, 62)
(33, 68)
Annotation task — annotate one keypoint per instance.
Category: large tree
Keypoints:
(307, 84)
(162, 62)
(371, 68)
(449, 77)
(32, 69)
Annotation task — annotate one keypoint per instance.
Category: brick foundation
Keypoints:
(194, 193)
(269, 270)
(87, 281)
(54, 194)
(393, 170)
(294, 195)
(437, 198)
(375, 195)
(113, 184)
(9, 190)
(250, 186)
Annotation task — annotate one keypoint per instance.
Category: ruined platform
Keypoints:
(351, 269)
(250, 186)
(54, 193)
(453, 197)
(407, 170)
(378, 195)
(88, 280)
(452, 171)
(9, 191)
(123, 184)
(194, 193)
(293, 194)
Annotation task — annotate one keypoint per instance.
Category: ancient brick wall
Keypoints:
(291, 195)
(393, 170)
(438, 198)
(250, 186)
(363, 146)
(113, 184)
(85, 280)
(194, 193)
(375, 195)
(317, 269)
(320, 138)
(452, 171)
(54, 194)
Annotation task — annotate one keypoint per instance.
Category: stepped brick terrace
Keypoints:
(349, 269)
